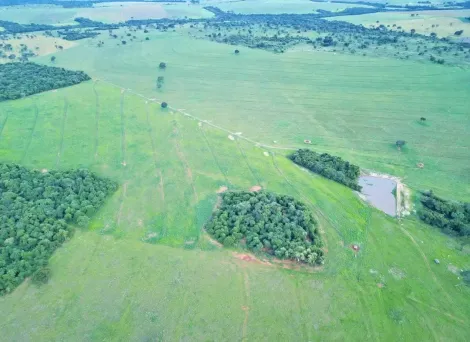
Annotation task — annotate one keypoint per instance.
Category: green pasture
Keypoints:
(352, 106)
(443, 23)
(144, 270)
(279, 6)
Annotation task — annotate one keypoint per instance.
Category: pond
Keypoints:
(379, 192)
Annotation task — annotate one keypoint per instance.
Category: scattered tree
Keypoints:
(53, 58)
(237, 51)
(162, 65)
(164, 105)
(400, 144)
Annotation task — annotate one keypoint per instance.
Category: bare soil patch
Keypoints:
(256, 188)
(250, 258)
(222, 189)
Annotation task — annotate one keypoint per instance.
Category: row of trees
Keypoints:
(328, 166)
(77, 35)
(35, 211)
(452, 217)
(22, 79)
(277, 224)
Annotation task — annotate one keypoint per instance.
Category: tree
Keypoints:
(237, 52)
(422, 119)
(400, 144)
(123, 42)
(164, 105)
(162, 65)
(160, 81)
(458, 33)
(53, 58)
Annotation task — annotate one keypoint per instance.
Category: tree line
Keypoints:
(276, 224)
(23, 79)
(36, 210)
(331, 167)
(450, 216)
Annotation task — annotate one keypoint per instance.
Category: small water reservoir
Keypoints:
(378, 191)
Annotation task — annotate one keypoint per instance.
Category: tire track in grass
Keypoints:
(154, 153)
(371, 331)
(30, 138)
(426, 262)
(4, 123)
(201, 129)
(257, 180)
(121, 203)
(62, 131)
(97, 118)
(246, 308)
(183, 159)
(123, 130)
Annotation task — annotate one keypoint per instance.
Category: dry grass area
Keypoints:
(39, 44)
(443, 23)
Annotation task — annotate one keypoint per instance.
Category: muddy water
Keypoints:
(378, 192)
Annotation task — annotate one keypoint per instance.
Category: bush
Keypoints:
(41, 276)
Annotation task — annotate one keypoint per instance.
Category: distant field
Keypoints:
(119, 280)
(40, 44)
(443, 23)
(279, 6)
(105, 12)
(352, 106)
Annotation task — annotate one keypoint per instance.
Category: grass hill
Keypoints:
(154, 272)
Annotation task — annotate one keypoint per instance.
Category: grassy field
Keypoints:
(279, 6)
(352, 106)
(144, 270)
(443, 23)
(105, 12)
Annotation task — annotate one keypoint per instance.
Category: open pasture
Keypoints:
(280, 6)
(352, 106)
(443, 23)
(109, 12)
(147, 263)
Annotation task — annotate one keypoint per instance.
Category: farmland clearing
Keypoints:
(146, 268)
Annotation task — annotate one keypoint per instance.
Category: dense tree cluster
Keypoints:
(452, 217)
(77, 35)
(35, 210)
(22, 79)
(328, 166)
(277, 224)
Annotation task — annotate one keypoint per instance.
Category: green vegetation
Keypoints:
(35, 208)
(147, 242)
(328, 166)
(452, 217)
(144, 264)
(277, 224)
(23, 79)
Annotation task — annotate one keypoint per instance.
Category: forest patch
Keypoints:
(331, 167)
(23, 79)
(279, 225)
(451, 216)
(36, 209)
